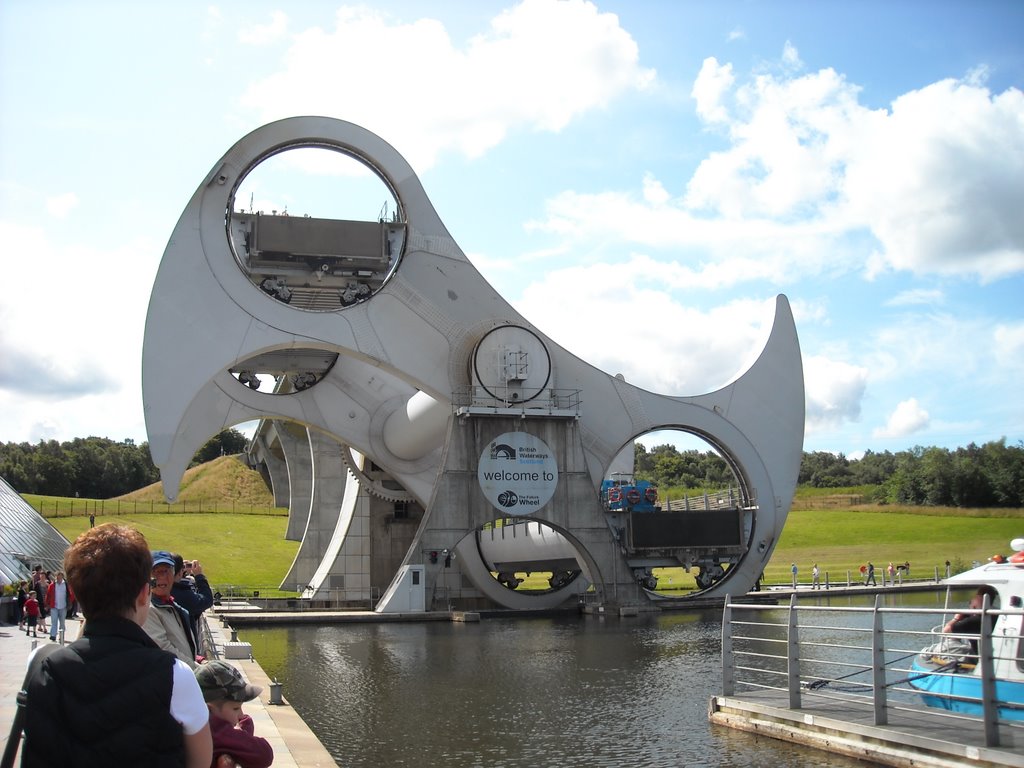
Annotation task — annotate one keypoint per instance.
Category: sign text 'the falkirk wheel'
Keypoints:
(429, 442)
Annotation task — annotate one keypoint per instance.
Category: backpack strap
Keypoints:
(14, 740)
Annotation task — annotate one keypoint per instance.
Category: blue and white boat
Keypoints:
(949, 673)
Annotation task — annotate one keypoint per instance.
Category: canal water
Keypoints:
(504, 693)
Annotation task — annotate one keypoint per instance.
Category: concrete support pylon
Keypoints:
(298, 458)
(277, 470)
(327, 475)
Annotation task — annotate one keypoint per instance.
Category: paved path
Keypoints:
(294, 744)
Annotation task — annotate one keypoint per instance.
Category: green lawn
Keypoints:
(250, 551)
(241, 550)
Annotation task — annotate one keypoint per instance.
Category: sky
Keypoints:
(639, 179)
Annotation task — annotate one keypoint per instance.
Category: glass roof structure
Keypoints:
(26, 538)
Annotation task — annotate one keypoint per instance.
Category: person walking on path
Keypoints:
(39, 585)
(869, 579)
(794, 569)
(19, 604)
(58, 599)
(31, 614)
(815, 577)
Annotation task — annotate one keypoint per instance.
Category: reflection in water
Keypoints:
(566, 691)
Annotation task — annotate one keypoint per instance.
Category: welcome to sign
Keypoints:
(517, 473)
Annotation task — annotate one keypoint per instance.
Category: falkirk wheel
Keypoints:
(427, 439)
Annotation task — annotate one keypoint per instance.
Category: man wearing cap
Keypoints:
(168, 623)
(225, 690)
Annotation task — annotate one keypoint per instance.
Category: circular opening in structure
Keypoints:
(284, 371)
(527, 556)
(682, 511)
(315, 227)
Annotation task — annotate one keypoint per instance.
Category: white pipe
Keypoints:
(418, 428)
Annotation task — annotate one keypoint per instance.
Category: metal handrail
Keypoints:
(885, 687)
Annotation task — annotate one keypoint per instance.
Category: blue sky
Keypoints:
(639, 179)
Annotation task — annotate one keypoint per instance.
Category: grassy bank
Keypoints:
(247, 551)
(241, 542)
(841, 540)
(250, 550)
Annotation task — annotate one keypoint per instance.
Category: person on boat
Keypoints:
(969, 624)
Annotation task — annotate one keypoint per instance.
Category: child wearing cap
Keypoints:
(225, 690)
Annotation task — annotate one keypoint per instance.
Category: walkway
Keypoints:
(294, 744)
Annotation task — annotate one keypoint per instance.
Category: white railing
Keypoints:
(855, 655)
(706, 502)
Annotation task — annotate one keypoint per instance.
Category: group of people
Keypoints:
(815, 576)
(46, 597)
(134, 688)
(868, 571)
(893, 571)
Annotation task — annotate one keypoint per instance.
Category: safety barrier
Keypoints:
(856, 655)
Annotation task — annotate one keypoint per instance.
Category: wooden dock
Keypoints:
(913, 737)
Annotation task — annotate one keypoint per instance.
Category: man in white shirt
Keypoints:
(58, 599)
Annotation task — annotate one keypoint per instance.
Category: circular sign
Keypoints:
(518, 473)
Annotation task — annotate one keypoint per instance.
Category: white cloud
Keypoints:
(1008, 348)
(713, 82)
(682, 351)
(834, 392)
(933, 343)
(939, 179)
(61, 205)
(80, 363)
(791, 57)
(908, 417)
(916, 296)
(812, 181)
(542, 64)
(262, 34)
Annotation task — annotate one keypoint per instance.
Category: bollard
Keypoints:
(275, 692)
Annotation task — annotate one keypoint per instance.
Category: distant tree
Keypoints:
(92, 467)
(1004, 468)
(226, 443)
(872, 468)
(822, 469)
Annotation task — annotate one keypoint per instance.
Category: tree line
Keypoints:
(991, 475)
(95, 467)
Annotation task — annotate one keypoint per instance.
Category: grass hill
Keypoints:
(225, 479)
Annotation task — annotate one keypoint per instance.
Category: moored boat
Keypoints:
(950, 673)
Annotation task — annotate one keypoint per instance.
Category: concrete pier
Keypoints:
(913, 737)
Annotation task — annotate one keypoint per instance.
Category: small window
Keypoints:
(415, 578)
(401, 510)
